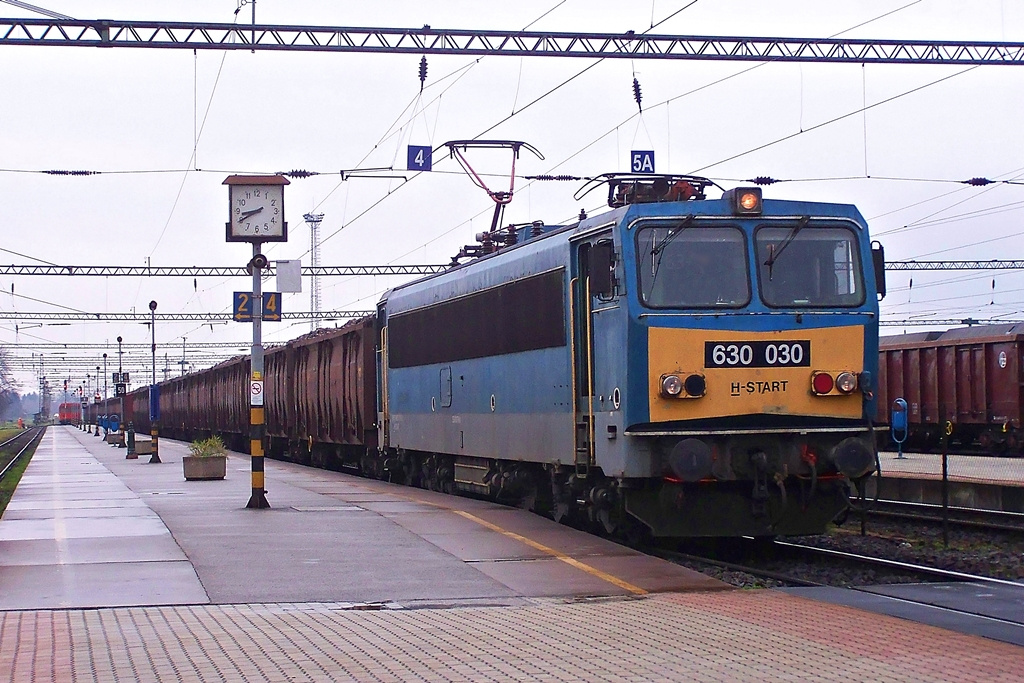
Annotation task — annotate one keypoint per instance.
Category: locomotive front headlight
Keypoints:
(846, 382)
(671, 385)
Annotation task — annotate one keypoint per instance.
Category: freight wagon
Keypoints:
(969, 376)
(321, 400)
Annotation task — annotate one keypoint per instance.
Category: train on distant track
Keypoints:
(969, 376)
(69, 413)
(675, 366)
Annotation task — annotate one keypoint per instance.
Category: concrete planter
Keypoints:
(208, 467)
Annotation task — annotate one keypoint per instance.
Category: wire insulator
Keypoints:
(763, 180)
(299, 173)
(62, 172)
(978, 182)
(552, 177)
(636, 95)
(423, 72)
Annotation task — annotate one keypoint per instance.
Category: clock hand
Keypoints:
(253, 212)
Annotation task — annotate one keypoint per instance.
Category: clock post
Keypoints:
(256, 214)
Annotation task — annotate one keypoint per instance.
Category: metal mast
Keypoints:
(314, 220)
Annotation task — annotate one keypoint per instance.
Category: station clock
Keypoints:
(256, 209)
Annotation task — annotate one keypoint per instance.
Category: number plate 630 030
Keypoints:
(757, 354)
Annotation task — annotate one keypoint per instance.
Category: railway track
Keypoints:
(789, 552)
(12, 449)
(992, 520)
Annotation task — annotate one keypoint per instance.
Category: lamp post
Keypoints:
(120, 387)
(106, 406)
(154, 389)
(96, 400)
(85, 400)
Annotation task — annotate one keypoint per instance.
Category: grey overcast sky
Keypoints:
(149, 118)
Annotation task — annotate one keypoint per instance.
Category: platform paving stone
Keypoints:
(74, 535)
(716, 636)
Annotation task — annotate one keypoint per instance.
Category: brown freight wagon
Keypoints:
(320, 399)
(970, 376)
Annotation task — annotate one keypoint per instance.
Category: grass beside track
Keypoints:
(11, 479)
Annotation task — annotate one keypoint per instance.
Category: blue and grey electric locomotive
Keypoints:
(680, 365)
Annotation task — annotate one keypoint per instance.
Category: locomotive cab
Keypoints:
(747, 378)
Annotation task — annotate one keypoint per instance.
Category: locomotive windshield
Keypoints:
(800, 266)
(686, 266)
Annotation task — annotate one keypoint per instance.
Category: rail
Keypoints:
(932, 573)
(979, 518)
(33, 437)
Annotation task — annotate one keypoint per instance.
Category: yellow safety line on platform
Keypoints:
(571, 561)
(605, 576)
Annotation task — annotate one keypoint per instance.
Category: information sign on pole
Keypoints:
(154, 402)
(272, 306)
(256, 392)
(242, 307)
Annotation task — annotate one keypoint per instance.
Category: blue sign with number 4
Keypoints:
(419, 158)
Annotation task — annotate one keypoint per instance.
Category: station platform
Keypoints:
(120, 570)
(975, 481)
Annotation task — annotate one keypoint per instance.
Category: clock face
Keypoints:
(257, 213)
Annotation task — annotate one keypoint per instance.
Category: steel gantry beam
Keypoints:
(431, 41)
(126, 346)
(955, 265)
(198, 317)
(212, 271)
(949, 322)
(428, 269)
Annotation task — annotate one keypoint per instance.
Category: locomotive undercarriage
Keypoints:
(757, 497)
(592, 501)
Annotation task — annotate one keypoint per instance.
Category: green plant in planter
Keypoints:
(206, 460)
(204, 448)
